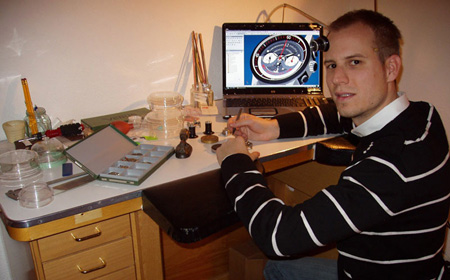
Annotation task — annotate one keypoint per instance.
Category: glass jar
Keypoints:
(202, 95)
(42, 120)
(165, 118)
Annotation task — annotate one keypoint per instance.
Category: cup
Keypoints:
(14, 130)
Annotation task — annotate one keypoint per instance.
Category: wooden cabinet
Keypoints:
(116, 241)
(100, 250)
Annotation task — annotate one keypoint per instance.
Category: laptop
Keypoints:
(271, 68)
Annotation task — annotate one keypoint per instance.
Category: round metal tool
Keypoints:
(209, 139)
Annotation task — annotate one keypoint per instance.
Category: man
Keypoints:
(388, 211)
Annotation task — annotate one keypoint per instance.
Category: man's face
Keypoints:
(357, 79)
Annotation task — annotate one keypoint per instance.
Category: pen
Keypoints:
(237, 118)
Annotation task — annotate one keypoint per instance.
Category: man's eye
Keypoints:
(331, 66)
(355, 62)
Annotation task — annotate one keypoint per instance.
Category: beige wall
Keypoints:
(425, 28)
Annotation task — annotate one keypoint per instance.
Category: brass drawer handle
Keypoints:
(80, 239)
(103, 265)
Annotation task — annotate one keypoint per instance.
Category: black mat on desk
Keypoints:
(190, 209)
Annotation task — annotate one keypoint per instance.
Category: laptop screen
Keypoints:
(274, 58)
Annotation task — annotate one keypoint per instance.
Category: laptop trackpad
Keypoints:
(263, 112)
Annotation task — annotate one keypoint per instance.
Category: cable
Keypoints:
(297, 10)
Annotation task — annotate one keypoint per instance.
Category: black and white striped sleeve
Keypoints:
(312, 121)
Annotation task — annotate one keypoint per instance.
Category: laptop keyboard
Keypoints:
(276, 102)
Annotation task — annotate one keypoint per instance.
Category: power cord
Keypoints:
(313, 19)
(284, 6)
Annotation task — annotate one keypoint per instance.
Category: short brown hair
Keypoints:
(387, 35)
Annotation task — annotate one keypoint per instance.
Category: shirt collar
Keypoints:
(383, 117)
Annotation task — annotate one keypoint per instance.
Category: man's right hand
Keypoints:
(251, 127)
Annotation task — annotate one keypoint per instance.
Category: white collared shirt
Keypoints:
(383, 117)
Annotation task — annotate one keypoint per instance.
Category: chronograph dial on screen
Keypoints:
(280, 58)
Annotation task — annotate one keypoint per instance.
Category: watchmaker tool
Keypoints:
(73, 184)
(237, 118)
(183, 150)
(209, 139)
(67, 130)
(215, 147)
(192, 133)
(208, 128)
(226, 131)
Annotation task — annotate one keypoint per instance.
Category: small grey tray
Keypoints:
(110, 155)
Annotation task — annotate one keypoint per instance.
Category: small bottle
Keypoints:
(42, 120)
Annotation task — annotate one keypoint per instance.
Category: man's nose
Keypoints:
(340, 76)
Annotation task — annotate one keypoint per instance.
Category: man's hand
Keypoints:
(234, 146)
(251, 127)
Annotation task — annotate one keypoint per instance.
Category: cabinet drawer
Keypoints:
(128, 273)
(88, 236)
(96, 262)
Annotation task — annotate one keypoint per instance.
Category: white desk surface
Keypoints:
(99, 193)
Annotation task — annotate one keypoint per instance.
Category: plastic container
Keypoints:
(50, 153)
(19, 168)
(35, 195)
(165, 118)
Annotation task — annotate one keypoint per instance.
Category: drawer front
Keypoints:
(83, 238)
(96, 262)
(128, 273)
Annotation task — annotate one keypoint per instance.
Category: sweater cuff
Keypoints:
(236, 163)
(291, 125)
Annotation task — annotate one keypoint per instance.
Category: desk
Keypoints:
(99, 201)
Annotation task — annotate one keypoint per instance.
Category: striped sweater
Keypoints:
(388, 211)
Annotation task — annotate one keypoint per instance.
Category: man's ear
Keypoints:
(393, 65)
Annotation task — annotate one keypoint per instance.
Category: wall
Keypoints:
(86, 58)
(90, 57)
(424, 26)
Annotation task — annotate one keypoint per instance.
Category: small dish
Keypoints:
(19, 168)
(35, 195)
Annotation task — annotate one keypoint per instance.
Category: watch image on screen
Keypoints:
(283, 58)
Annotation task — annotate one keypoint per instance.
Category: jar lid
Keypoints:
(38, 111)
(165, 99)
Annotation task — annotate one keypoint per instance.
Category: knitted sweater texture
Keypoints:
(388, 211)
